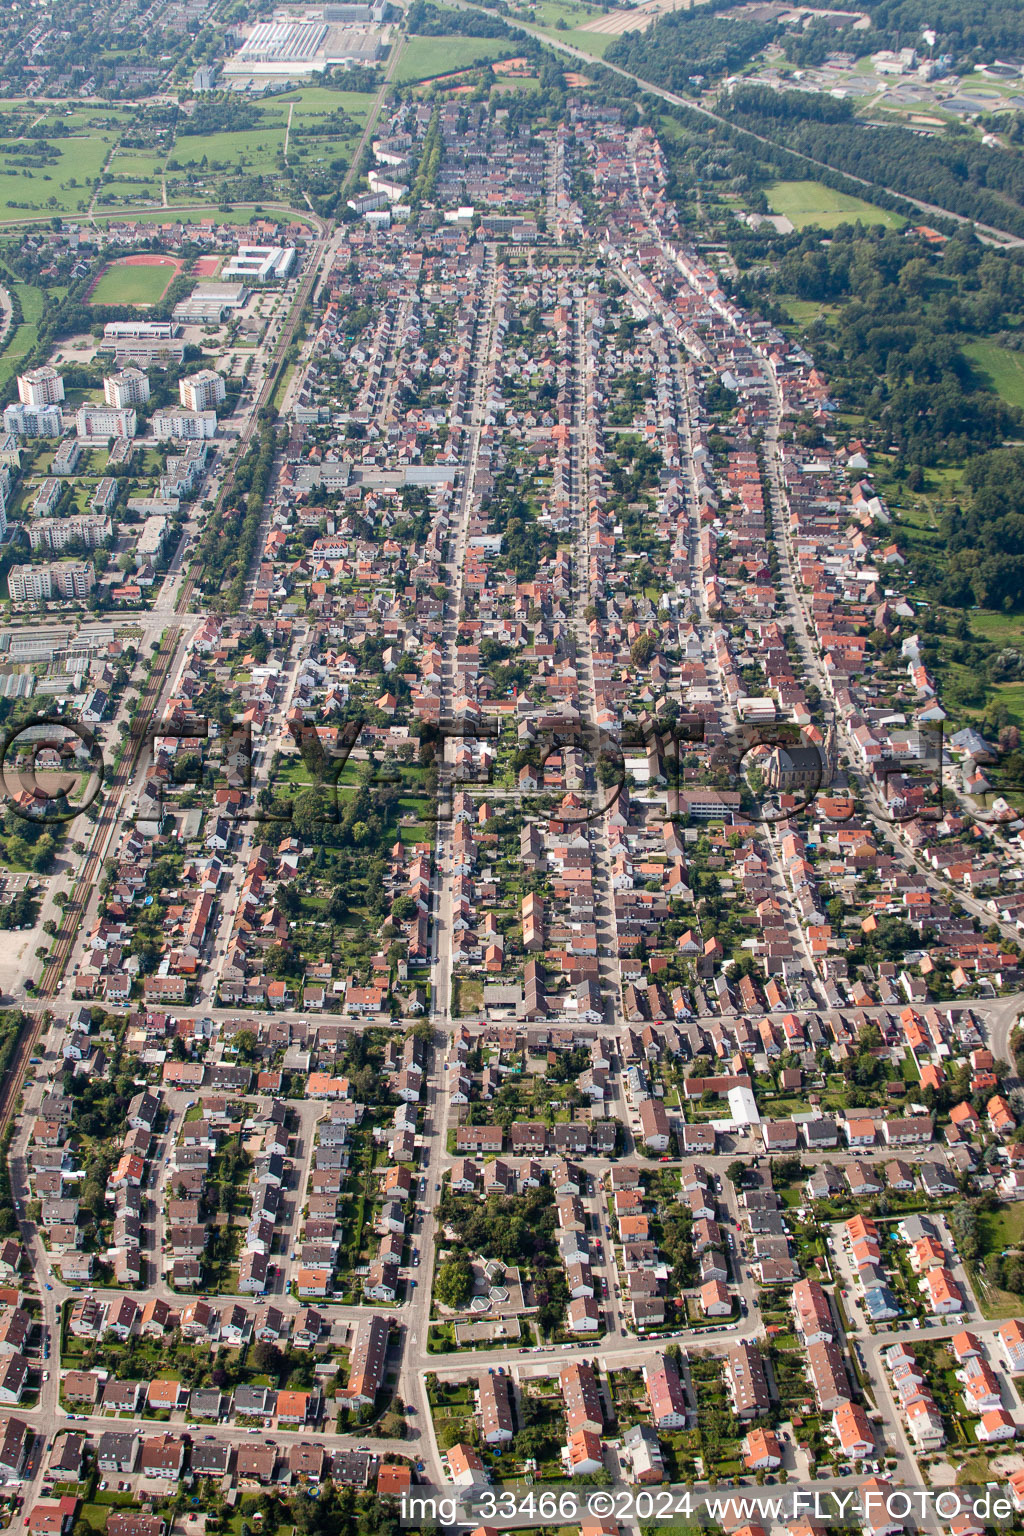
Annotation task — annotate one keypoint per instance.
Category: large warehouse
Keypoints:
(291, 45)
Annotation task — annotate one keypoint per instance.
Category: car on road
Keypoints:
(49, 1287)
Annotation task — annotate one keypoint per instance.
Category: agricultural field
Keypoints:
(548, 13)
(54, 175)
(596, 43)
(425, 58)
(314, 139)
(811, 202)
(566, 21)
(1002, 369)
(252, 150)
(59, 176)
(1000, 628)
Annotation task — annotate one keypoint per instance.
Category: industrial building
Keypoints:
(344, 34)
(285, 43)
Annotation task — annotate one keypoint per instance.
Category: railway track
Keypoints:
(263, 399)
(14, 1076)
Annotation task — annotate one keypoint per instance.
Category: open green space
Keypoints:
(1012, 695)
(121, 284)
(1002, 369)
(1001, 1228)
(1000, 628)
(805, 312)
(116, 194)
(132, 162)
(425, 58)
(596, 43)
(23, 339)
(548, 13)
(60, 184)
(314, 101)
(811, 202)
(257, 148)
(565, 20)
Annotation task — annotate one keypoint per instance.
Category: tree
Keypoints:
(452, 1432)
(245, 1045)
(392, 1426)
(643, 650)
(453, 1284)
(266, 1359)
(735, 1171)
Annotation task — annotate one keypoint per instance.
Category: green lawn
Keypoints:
(804, 312)
(117, 194)
(1002, 369)
(811, 202)
(574, 15)
(313, 101)
(134, 162)
(1001, 1228)
(256, 149)
(23, 339)
(596, 43)
(1012, 695)
(546, 13)
(427, 57)
(1000, 628)
(49, 187)
(121, 284)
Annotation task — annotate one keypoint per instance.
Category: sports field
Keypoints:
(811, 202)
(135, 280)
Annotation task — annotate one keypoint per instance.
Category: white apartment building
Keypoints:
(130, 387)
(56, 533)
(34, 420)
(184, 424)
(104, 421)
(64, 578)
(202, 391)
(47, 497)
(41, 386)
